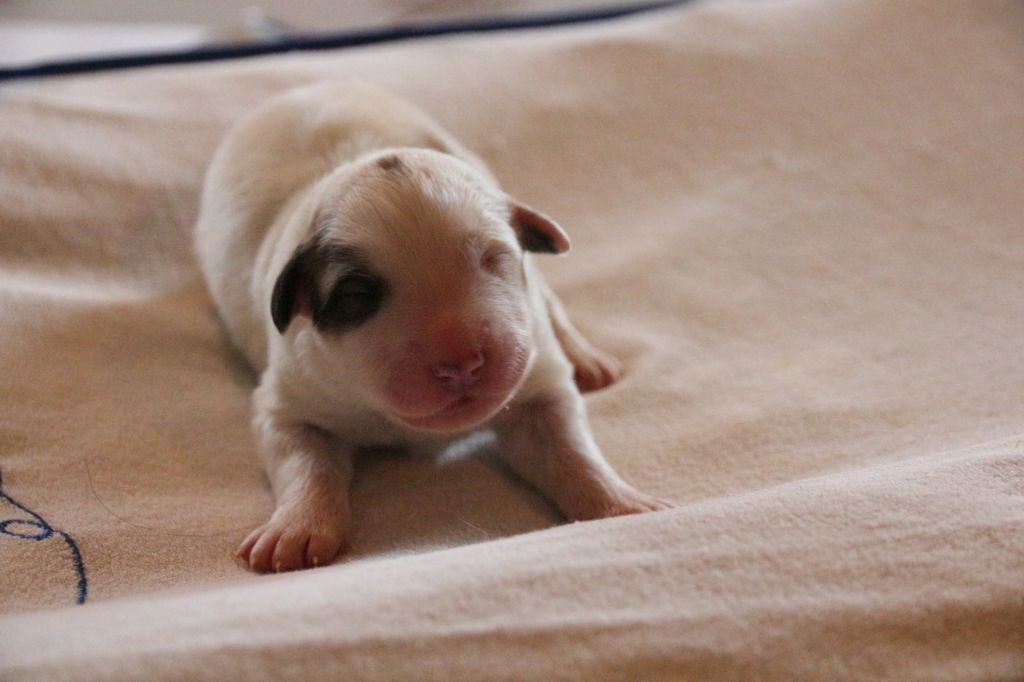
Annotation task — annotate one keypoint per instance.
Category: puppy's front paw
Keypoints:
(594, 369)
(291, 541)
(620, 501)
(632, 501)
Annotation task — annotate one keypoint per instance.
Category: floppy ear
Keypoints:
(536, 231)
(291, 291)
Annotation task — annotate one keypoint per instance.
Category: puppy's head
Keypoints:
(412, 291)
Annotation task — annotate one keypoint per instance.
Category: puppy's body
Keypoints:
(373, 273)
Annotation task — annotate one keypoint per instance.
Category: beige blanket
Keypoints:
(801, 226)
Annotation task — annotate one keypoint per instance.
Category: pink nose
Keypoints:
(457, 375)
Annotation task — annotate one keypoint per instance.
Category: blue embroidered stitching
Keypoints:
(44, 530)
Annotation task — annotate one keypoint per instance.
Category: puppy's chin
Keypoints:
(462, 414)
(420, 405)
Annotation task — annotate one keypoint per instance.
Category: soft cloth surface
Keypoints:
(798, 223)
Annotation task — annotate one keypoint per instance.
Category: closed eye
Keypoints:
(357, 285)
(499, 262)
(354, 300)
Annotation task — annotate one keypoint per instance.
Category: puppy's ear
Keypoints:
(291, 291)
(536, 231)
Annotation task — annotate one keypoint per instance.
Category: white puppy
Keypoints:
(373, 273)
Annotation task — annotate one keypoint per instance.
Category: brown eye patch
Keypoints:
(355, 298)
(332, 283)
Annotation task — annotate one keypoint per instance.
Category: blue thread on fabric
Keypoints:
(334, 41)
(38, 529)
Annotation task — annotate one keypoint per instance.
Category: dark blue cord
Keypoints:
(43, 530)
(331, 41)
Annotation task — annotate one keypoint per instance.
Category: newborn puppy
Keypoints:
(374, 274)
